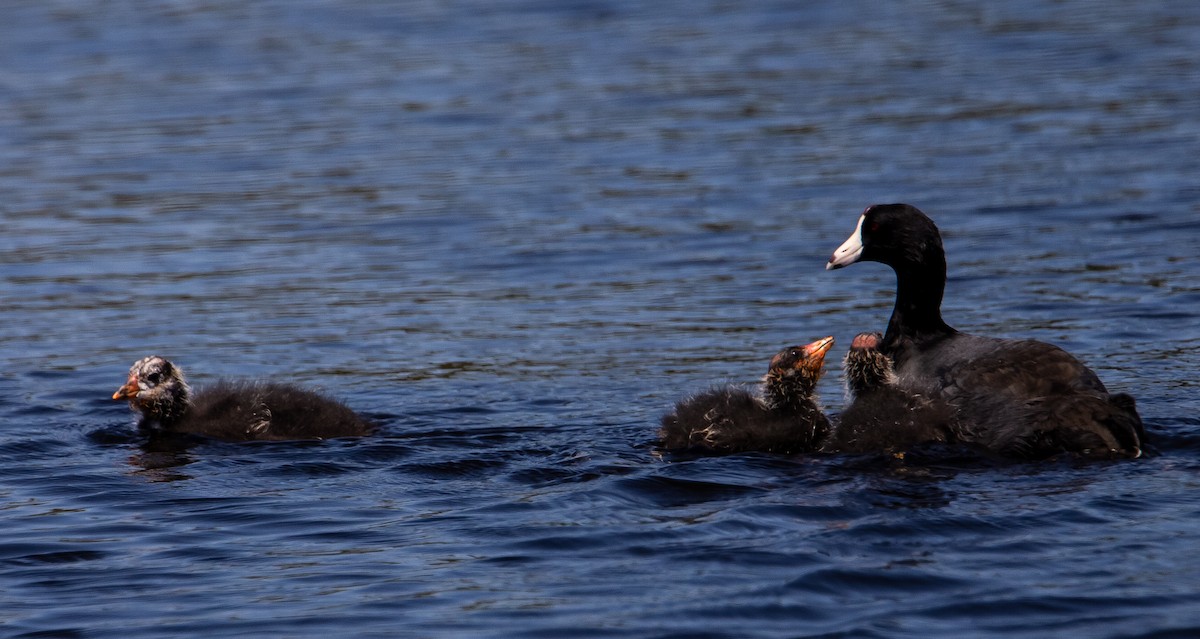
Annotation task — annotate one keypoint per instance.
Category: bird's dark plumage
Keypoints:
(882, 417)
(1016, 397)
(234, 411)
(785, 419)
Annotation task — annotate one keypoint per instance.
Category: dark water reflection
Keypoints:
(514, 233)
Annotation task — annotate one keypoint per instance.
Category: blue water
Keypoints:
(514, 233)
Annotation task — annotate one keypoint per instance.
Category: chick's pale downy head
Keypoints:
(156, 388)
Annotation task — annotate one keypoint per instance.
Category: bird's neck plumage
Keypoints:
(865, 372)
(787, 393)
(917, 315)
(171, 408)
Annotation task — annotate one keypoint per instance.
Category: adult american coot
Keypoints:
(233, 411)
(1022, 398)
(785, 419)
(882, 417)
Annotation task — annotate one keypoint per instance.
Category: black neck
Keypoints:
(918, 310)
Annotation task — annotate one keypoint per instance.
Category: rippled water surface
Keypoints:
(514, 233)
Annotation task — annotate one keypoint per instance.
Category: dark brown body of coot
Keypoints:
(234, 411)
(785, 419)
(882, 417)
(1020, 398)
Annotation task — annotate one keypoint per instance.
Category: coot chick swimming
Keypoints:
(785, 419)
(882, 417)
(233, 411)
(1021, 398)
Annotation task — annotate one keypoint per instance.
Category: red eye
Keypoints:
(873, 227)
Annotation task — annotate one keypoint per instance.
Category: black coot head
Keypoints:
(893, 234)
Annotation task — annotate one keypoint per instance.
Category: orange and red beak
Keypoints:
(129, 390)
(816, 350)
